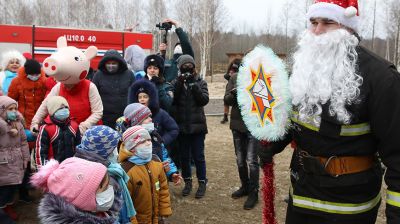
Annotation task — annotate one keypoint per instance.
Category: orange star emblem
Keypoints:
(262, 98)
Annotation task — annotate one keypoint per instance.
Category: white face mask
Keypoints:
(149, 127)
(144, 152)
(113, 158)
(33, 77)
(105, 199)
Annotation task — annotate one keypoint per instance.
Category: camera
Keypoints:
(187, 75)
(164, 26)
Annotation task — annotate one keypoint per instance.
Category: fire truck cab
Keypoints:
(42, 41)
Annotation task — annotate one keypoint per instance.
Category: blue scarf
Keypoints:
(7, 80)
(138, 161)
(128, 210)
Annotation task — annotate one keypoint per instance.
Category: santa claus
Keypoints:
(346, 105)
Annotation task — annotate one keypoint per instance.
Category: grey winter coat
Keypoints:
(14, 150)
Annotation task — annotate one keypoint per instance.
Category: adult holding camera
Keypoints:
(191, 95)
(154, 68)
(182, 47)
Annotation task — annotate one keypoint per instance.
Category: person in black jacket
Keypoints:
(345, 111)
(191, 96)
(113, 80)
(246, 148)
(232, 69)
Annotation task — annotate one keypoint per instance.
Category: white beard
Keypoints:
(325, 69)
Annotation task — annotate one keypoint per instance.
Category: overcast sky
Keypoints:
(256, 14)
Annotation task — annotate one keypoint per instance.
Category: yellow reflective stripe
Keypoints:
(346, 130)
(333, 207)
(307, 125)
(355, 129)
(393, 198)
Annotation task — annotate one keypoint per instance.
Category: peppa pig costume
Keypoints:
(69, 66)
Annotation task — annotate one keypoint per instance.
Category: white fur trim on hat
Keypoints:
(7, 56)
(347, 17)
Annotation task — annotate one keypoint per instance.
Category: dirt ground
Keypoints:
(217, 206)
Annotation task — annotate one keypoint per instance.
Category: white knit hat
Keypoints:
(54, 103)
(344, 12)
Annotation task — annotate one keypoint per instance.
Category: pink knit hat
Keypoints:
(76, 180)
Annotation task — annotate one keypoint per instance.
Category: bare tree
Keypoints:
(133, 15)
(394, 29)
(373, 26)
(287, 9)
(211, 17)
(156, 12)
(185, 11)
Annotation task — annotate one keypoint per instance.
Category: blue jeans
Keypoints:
(191, 146)
(246, 147)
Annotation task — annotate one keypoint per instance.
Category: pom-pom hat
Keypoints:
(344, 12)
(76, 180)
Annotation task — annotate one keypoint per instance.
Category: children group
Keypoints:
(116, 171)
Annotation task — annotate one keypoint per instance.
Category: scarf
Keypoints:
(138, 161)
(127, 211)
(7, 81)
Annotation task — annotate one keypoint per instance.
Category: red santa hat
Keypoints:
(344, 12)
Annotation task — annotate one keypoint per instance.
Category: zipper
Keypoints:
(152, 192)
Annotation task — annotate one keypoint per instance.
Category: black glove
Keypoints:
(265, 154)
(156, 80)
(190, 78)
(181, 79)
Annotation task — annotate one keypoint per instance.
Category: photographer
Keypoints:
(182, 47)
(191, 95)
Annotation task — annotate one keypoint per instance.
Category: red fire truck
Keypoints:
(41, 41)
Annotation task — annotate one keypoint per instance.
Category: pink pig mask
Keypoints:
(68, 64)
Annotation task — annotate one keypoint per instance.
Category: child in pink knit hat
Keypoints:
(77, 191)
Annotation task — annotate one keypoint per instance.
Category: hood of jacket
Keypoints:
(148, 87)
(54, 209)
(113, 55)
(124, 154)
(5, 102)
(134, 56)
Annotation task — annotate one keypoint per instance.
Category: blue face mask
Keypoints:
(11, 116)
(62, 114)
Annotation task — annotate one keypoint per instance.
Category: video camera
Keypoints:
(164, 26)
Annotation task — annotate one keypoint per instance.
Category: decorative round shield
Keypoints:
(263, 94)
